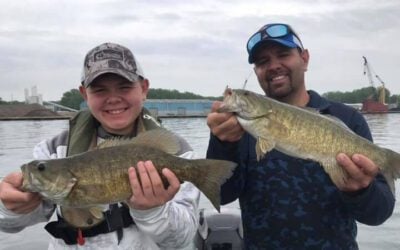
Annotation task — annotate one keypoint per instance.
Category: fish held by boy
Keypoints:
(305, 134)
(100, 176)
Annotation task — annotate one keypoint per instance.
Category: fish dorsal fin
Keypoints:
(114, 142)
(332, 118)
(337, 121)
(97, 212)
(161, 139)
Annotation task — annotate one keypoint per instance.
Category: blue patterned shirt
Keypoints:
(290, 203)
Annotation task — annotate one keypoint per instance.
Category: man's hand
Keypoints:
(14, 199)
(225, 126)
(149, 191)
(361, 171)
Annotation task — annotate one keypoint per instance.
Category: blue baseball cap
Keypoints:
(275, 32)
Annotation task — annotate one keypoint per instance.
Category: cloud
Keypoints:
(193, 46)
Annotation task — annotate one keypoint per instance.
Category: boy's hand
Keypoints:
(14, 199)
(150, 192)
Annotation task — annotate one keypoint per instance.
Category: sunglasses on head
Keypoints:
(276, 30)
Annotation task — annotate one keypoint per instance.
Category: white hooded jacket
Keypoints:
(171, 226)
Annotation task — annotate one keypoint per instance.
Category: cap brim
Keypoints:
(127, 75)
(283, 42)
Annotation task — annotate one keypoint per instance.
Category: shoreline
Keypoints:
(22, 118)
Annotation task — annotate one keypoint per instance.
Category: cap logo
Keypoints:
(108, 54)
(115, 65)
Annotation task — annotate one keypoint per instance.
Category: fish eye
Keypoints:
(41, 166)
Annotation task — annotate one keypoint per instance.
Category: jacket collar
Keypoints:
(318, 102)
(84, 130)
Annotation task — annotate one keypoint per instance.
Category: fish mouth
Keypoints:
(26, 179)
(229, 109)
(230, 105)
(248, 117)
(239, 112)
(30, 183)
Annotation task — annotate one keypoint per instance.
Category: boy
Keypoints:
(115, 88)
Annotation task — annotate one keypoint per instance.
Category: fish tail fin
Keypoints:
(209, 177)
(392, 169)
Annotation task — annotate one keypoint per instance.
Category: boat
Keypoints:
(371, 106)
(219, 231)
(375, 103)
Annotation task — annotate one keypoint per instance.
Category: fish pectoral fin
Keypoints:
(97, 212)
(263, 146)
(81, 217)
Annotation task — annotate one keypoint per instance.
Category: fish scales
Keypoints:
(305, 134)
(100, 176)
(107, 173)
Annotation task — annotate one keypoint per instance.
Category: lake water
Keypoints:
(17, 139)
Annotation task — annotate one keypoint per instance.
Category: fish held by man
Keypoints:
(100, 176)
(305, 134)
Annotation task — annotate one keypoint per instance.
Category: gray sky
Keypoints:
(194, 46)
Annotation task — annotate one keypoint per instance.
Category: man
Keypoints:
(286, 202)
(114, 88)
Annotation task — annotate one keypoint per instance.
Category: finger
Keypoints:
(147, 186)
(366, 165)
(215, 105)
(28, 207)
(11, 194)
(216, 119)
(174, 183)
(348, 165)
(230, 130)
(15, 179)
(357, 178)
(135, 184)
(24, 207)
(157, 184)
(225, 126)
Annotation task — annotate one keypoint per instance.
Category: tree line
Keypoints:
(73, 98)
(359, 95)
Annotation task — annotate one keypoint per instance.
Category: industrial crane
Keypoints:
(381, 91)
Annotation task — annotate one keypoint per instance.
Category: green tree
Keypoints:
(72, 99)
(357, 95)
(394, 99)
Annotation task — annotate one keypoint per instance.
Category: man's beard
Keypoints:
(280, 93)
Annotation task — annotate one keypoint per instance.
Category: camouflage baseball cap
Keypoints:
(110, 58)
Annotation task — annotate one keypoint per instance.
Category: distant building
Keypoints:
(175, 107)
(34, 97)
(178, 108)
